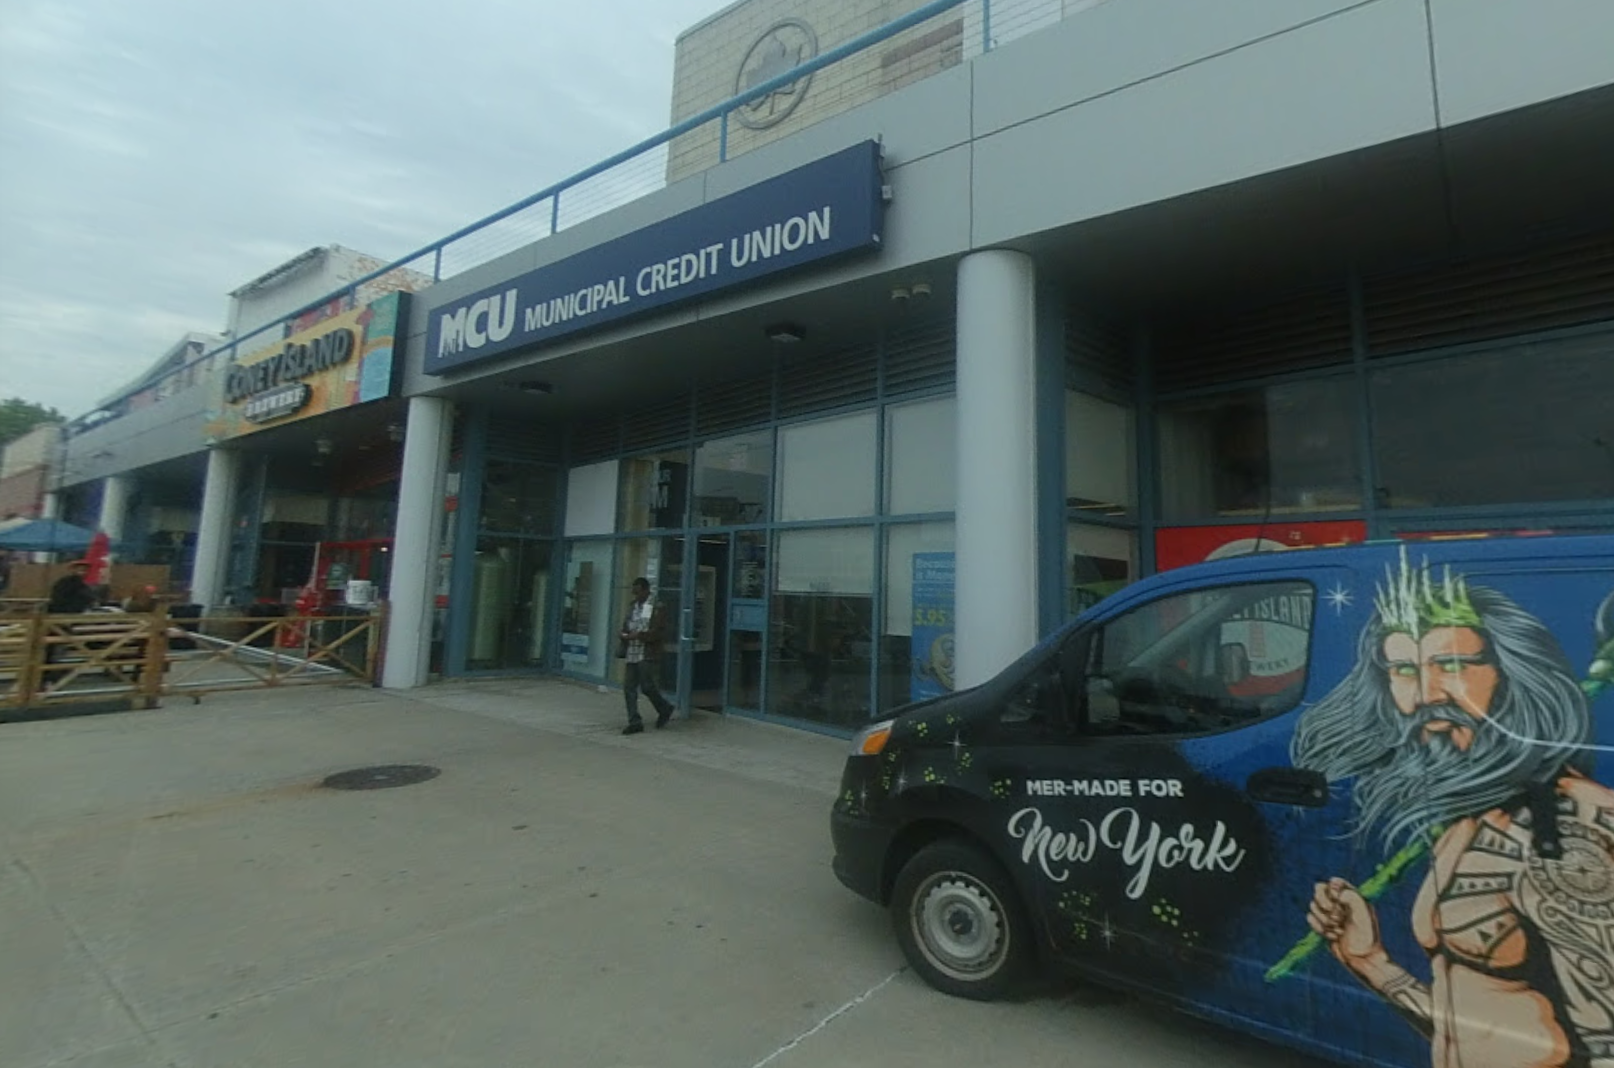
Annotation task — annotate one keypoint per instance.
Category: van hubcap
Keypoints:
(958, 925)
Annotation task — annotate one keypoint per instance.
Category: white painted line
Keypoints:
(826, 1021)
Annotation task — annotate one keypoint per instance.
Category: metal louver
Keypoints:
(596, 439)
(818, 383)
(733, 404)
(1479, 298)
(1304, 331)
(1098, 347)
(920, 358)
(512, 438)
(659, 424)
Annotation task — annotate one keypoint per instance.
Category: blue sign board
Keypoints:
(932, 625)
(827, 208)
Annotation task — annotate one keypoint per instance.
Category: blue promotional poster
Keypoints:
(932, 625)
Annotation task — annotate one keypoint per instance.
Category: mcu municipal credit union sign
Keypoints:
(827, 208)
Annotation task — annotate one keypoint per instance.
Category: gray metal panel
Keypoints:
(1116, 45)
(1358, 79)
(1496, 55)
(166, 430)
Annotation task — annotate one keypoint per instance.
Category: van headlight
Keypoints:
(870, 741)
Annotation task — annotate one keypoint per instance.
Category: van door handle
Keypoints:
(1289, 786)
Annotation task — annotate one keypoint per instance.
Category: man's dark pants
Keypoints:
(642, 676)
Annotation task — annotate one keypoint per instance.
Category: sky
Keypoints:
(156, 155)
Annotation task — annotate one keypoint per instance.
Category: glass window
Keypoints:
(1100, 455)
(654, 491)
(826, 468)
(1200, 661)
(585, 620)
(509, 602)
(916, 643)
(1529, 423)
(1283, 449)
(1098, 561)
(821, 617)
(519, 498)
(591, 499)
(732, 478)
(920, 450)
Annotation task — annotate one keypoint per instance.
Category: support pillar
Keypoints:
(414, 545)
(115, 493)
(213, 528)
(995, 597)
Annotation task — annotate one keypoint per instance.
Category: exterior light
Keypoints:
(785, 333)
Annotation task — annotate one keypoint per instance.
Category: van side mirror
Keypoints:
(1234, 663)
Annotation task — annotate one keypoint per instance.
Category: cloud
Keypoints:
(161, 154)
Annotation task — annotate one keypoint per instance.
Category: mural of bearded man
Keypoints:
(1462, 726)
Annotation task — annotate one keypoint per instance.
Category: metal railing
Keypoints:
(707, 138)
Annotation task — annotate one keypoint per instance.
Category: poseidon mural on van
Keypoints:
(1466, 742)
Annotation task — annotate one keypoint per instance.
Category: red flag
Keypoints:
(99, 557)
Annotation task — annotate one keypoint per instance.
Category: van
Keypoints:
(1351, 800)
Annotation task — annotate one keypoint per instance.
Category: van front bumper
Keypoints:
(860, 851)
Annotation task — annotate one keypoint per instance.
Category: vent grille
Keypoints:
(1304, 331)
(733, 405)
(921, 358)
(656, 425)
(1493, 296)
(1098, 347)
(596, 439)
(816, 383)
(511, 438)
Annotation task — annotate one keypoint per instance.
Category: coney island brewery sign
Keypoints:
(274, 387)
(830, 207)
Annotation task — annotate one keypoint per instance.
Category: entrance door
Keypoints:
(746, 619)
(661, 561)
(709, 624)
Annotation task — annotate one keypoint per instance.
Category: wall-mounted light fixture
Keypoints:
(533, 385)
(323, 446)
(395, 432)
(786, 333)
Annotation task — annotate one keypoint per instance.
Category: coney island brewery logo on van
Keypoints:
(786, 44)
(274, 387)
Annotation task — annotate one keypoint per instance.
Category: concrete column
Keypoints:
(213, 528)
(115, 493)
(414, 545)
(995, 598)
(51, 506)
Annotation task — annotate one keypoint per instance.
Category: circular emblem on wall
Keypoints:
(786, 44)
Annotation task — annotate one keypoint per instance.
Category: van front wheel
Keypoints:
(960, 923)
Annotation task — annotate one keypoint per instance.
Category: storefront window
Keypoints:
(654, 491)
(1100, 447)
(519, 498)
(732, 477)
(826, 468)
(585, 618)
(509, 602)
(920, 453)
(1515, 426)
(1285, 449)
(1098, 561)
(916, 643)
(820, 623)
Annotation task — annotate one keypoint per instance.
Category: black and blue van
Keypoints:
(1353, 800)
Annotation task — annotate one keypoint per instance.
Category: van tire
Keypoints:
(960, 922)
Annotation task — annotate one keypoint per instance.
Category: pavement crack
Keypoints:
(831, 1018)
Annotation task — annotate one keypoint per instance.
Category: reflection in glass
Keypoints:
(821, 618)
(1284, 449)
(1100, 446)
(920, 450)
(732, 477)
(586, 637)
(1529, 423)
(906, 672)
(826, 468)
(659, 561)
(509, 602)
(654, 491)
(1098, 561)
(518, 498)
(747, 619)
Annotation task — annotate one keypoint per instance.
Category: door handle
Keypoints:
(1289, 786)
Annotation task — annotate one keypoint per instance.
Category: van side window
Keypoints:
(1201, 661)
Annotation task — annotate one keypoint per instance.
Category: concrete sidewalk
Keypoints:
(178, 890)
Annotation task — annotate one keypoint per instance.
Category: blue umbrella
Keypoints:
(46, 536)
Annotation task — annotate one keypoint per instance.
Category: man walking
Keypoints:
(642, 638)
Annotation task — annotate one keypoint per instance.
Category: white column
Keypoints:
(115, 493)
(995, 598)
(213, 528)
(414, 544)
(51, 506)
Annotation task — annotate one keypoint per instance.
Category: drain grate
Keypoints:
(381, 777)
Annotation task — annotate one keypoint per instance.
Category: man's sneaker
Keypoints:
(662, 718)
(633, 728)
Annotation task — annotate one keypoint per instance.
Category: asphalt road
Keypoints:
(176, 889)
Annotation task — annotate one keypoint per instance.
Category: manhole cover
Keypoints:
(382, 777)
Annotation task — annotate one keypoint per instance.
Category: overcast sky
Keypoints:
(156, 155)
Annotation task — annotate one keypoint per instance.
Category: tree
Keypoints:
(18, 416)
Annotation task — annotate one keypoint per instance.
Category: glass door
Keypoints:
(746, 620)
(660, 561)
